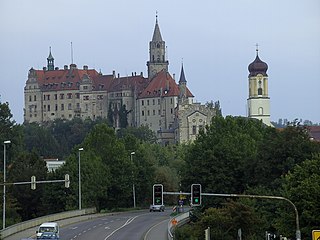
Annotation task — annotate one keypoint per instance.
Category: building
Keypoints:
(258, 101)
(53, 93)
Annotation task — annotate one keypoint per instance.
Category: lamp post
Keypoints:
(4, 184)
(80, 149)
(133, 188)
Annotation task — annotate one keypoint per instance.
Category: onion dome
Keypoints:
(257, 67)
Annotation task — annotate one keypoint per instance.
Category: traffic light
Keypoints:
(196, 194)
(66, 181)
(33, 182)
(157, 194)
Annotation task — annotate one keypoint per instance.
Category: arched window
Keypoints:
(259, 91)
(260, 110)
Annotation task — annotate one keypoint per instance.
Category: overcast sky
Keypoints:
(215, 38)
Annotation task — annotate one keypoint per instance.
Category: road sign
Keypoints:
(316, 235)
(174, 222)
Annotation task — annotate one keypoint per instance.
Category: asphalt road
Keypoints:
(131, 226)
(142, 225)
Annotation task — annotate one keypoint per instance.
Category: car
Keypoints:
(49, 235)
(156, 208)
(51, 227)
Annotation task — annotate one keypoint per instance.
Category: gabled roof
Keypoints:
(162, 85)
(70, 78)
(137, 83)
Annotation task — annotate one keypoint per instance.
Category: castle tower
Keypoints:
(182, 86)
(50, 61)
(157, 53)
(258, 101)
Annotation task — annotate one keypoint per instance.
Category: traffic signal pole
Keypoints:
(298, 232)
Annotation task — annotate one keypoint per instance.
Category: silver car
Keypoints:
(156, 208)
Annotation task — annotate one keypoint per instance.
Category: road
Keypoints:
(127, 225)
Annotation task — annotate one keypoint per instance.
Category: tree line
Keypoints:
(231, 155)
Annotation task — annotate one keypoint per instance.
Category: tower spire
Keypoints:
(50, 61)
(257, 48)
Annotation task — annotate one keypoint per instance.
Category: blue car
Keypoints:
(49, 235)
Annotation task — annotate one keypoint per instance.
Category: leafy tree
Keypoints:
(123, 116)
(302, 187)
(104, 144)
(224, 223)
(40, 139)
(28, 201)
(221, 157)
(143, 133)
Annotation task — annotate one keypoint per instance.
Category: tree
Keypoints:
(302, 187)
(221, 156)
(28, 201)
(104, 144)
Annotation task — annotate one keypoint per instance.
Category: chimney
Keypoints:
(65, 67)
(85, 67)
(118, 75)
(174, 77)
(114, 74)
(44, 69)
(141, 74)
(56, 68)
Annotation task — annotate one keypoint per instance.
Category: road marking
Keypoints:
(130, 220)
(146, 235)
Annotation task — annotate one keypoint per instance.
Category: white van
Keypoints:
(48, 227)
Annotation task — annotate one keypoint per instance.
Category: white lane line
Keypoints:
(146, 235)
(130, 220)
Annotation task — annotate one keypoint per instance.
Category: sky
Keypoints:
(215, 39)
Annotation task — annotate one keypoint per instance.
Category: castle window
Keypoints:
(158, 45)
(159, 112)
(29, 98)
(77, 95)
(142, 102)
(194, 129)
(154, 112)
(61, 96)
(69, 95)
(69, 106)
(158, 101)
(55, 97)
(148, 112)
(142, 113)
(153, 101)
(62, 107)
(56, 108)
(148, 102)
(35, 97)
(48, 108)
(260, 91)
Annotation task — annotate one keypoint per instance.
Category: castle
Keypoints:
(156, 101)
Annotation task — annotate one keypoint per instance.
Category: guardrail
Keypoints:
(37, 221)
(177, 221)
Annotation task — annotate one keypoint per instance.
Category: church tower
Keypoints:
(157, 53)
(50, 60)
(258, 101)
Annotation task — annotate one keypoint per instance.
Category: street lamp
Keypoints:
(80, 149)
(133, 189)
(4, 184)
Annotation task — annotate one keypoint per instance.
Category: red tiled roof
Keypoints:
(162, 85)
(137, 83)
(70, 78)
